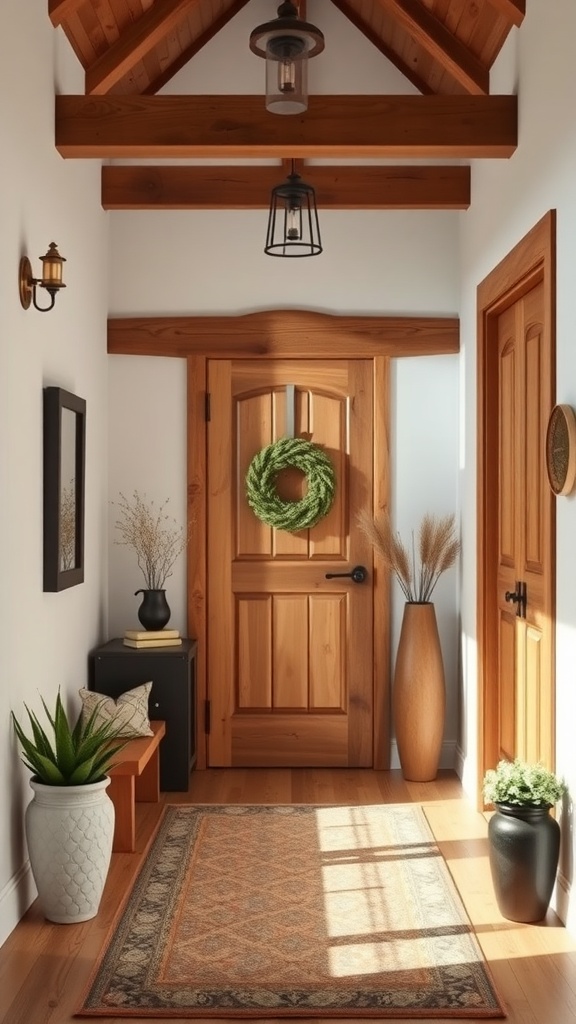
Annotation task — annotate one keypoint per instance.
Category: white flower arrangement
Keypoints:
(522, 784)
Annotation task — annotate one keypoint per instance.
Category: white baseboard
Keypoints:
(459, 760)
(15, 898)
(447, 755)
(561, 903)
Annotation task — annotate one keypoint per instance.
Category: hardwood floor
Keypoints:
(44, 967)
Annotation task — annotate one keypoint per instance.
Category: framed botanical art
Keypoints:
(64, 470)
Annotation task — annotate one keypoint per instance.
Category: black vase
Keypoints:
(154, 612)
(524, 851)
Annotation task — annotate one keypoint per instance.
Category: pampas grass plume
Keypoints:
(438, 548)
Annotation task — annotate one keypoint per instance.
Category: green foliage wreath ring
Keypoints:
(290, 453)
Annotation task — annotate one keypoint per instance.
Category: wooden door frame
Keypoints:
(271, 335)
(531, 261)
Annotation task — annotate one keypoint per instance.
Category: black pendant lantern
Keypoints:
(286, 42)
(293, 228)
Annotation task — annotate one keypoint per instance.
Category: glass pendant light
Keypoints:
(286, 42)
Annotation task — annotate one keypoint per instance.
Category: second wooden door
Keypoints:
(524, 579)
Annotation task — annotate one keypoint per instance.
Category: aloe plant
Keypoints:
(74, 756)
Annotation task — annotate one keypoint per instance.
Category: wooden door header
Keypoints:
(283, 333)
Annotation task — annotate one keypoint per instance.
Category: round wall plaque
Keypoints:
(561, 449)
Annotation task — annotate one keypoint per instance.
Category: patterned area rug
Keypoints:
(293, 911)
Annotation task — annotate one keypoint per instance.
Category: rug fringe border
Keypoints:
(396, 1014)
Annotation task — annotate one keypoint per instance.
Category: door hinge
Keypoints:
(207, 706)
(207, 407)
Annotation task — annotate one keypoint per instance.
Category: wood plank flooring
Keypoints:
(44, 967)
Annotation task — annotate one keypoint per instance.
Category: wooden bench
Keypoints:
(136, 776)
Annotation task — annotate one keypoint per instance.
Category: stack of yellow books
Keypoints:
(145, 638)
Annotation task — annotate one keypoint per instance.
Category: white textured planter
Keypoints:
(69, 830)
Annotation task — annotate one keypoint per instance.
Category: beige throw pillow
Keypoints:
(129, 712)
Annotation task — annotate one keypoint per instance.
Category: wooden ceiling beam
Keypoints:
(248, 188)
(271, 334)
(59, 10)
(405, 69)
(229, 127)
(430, 33)
(135, 42)
(514, 10)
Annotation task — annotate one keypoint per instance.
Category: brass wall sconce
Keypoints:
(51, 279)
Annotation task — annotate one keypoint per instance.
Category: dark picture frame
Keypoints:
(64, 473)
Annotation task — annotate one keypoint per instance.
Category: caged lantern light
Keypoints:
(286, 42)
(293, 228)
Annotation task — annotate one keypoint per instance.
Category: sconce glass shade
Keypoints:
(51, 279)
(52, 263)
(293, 228)
(286, 43)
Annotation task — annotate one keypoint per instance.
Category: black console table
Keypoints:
(114, 668)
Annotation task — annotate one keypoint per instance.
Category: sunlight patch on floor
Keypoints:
(368, 958)
(372, 914)
(510, 940)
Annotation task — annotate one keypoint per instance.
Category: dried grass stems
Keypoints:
(417, 574)
(156, 537)
(68, 526)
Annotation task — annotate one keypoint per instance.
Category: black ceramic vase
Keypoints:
(154, 612)
(524, 849)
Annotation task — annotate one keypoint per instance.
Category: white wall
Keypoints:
(425, 479)
(44, 638)
(147, 425)
(508, 198)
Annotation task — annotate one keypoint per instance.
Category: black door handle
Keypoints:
(518, 597)
(358, 574)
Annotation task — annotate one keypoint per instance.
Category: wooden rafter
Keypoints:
(213, 28)
(59, 10)
(355, 19)
(271, 334)
(248, 188)
(402, 127)
(136, 41)
(514, 10)
(434, 37)
(143, 36)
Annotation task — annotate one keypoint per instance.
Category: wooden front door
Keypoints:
(523, 591)
(516, 517)
(290, 653)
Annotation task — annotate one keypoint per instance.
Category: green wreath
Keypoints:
(289, 453)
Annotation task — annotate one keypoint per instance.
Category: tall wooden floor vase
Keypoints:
(419, 694)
